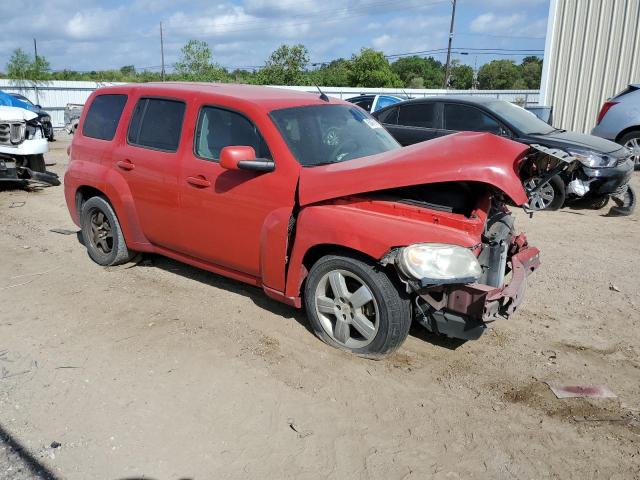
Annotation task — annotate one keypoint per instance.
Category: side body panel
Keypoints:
(373, 228)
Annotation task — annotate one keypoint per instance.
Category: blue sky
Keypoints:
(93, 34)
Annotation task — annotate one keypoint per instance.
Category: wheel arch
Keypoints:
(633, 128)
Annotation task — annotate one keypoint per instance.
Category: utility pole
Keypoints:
(35, 49)
(161, 53)
(446, 70)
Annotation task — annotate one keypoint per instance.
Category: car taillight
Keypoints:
(605, 108)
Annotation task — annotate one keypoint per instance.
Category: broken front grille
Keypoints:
(11, 133)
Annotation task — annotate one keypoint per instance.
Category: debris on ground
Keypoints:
(17, 204)
(582, 391)
(63, 231)
(295, 428)
(613, 287)
(55, 444)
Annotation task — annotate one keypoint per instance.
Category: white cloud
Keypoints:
(492, 23)
(93, 23)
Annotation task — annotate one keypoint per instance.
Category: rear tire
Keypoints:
(102, 234)
(632, 140)
(353, 305)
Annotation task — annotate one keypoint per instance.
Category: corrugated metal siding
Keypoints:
(593, 52)
(55, 95)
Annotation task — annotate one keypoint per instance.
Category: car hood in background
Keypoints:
(577, 140)
(12, 114)
(466, 156)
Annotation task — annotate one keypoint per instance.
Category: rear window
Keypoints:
(157, 124)
(103, 116)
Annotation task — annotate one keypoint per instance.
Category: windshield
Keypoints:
(522, 120)
(322, 134)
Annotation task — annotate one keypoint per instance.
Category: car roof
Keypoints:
(472, 99)
(265, 98)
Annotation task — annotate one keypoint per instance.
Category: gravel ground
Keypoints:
(164, 371)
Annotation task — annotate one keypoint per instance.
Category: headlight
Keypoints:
(592, 159)
(439, 263)
(17, 131)
(45, 118)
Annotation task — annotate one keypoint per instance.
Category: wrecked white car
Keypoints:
(22, 148)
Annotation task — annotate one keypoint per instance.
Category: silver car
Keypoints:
(619, 120)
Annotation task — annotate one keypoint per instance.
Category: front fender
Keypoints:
(369, 232)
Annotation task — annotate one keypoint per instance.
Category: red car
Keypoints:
(309, 199)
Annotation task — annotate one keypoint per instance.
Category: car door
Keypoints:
(148, 160)
(460, 117)
(415, 122)
(223, 212)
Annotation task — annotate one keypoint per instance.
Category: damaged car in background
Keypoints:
(310, 199)
(602, 171)
(22, 147)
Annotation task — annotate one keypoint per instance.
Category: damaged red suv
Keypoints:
(309, 199)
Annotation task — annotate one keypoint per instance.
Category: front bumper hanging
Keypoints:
(462, 311)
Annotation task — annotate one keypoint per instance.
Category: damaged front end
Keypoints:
(488, 282)
(22, 145)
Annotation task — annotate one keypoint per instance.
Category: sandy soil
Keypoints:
(167, 372)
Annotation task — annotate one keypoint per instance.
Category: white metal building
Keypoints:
(592, 52)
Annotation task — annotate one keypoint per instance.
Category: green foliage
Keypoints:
(285, 66)
(195, 64)
(415, 70)
(288, 65)
(22, 67)
(461, 76)
(370, 68)
(498, 75)
(334, 74)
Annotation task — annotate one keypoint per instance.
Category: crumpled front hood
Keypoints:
(466, 156)
(13, 114)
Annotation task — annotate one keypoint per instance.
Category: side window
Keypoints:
(103, 116)
(464, 117)
(366, 103)
(390, 117)
(384, 101)
(218, 128)
(418, 115)
(157, 124)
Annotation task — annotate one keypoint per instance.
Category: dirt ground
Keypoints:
(163, 371)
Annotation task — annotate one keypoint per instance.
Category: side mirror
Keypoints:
(39, 107)
(244, 158)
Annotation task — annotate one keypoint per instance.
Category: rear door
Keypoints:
(148, 159)
(415, 122)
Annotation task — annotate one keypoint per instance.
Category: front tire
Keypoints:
(353, 305)
(102, 234)
(550, 197)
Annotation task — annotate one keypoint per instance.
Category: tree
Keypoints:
(498, 75)
(285, 66)
(334, 74)
(22, 67)
(531, 72)
(418, 72)
(128, 71)
(461, 76)
(370, 68)
(195, 63)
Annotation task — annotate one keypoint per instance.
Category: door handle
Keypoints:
(198, 181)
(125, 164)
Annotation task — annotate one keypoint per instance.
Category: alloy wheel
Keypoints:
(634, 145)
(543, 197)
(101, 236)
(347, 309)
